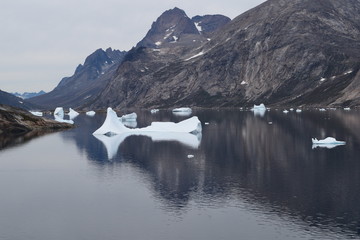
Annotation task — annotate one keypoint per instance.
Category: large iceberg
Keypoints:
(112, 125)
(113, 132)
(327, 141)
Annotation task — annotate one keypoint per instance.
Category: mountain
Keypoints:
(11, 100)
(27, 95)
(209, 23)
(299, 52)
(88, 80)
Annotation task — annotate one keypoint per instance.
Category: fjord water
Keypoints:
(251, 177)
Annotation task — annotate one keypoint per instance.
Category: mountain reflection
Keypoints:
(242, 156)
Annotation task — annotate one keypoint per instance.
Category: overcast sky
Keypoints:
(43, 41)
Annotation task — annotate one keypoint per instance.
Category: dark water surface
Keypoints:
(248, 179)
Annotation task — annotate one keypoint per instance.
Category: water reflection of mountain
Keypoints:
(243, 157)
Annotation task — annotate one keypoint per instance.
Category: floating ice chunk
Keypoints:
(261, 106)
(72, 113)
(129, 117)
(270, 123)
(347, 109)
(112, 125)
(328, 140)
(298, 110)
(154, 111)
(259, 110)
(183, 112)
(39, 114)
(190, 156)
(322, 110)
(60, 119)
(207, 123)
(285, 111)
(59, 111)
(182, 109)
(291, 109)
(90, 113)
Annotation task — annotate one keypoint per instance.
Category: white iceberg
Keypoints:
(59, 111)
(72, 113)
(39, 114)
(327, 141)
(182, 109)
(298, 110)
(128, 117)
(61, 119)
(285, 111)
(259, 110)
(322, 110)
(154, 111)
(347, 109)
(90, 113)
(257, 107)
(112, 125)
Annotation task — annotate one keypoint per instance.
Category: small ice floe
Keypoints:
(259, 110)
(72, 113)
(328, 142)
(206, 123)
(291, 109)
(128, 117)
(90, 113)
(61, 119)
(183, 111)
(59, 111)
(190, 156)
(270, 123)
(322, 110)
(285, 111)
(298, 110)
(154, 111)
(39, 114)
(347, 109)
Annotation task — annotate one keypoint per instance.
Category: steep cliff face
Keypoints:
(88, 80)
(281, 52)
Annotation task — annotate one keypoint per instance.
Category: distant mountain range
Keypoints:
(299, 52)
(27, 95)
(11, 100)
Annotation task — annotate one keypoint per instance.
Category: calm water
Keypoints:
(248, 179)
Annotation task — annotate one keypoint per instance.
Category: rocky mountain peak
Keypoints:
(210, 23)
(169, 27)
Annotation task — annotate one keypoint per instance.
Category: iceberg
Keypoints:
(112, 125)
(285, 111)
(72, 113)
(39, 114)
(182, 109)
(61, 119)
(259, 110)
(327, 141)
(154, 111)
(59, 111)
(90, 113)
(128, 117)
(298, 110)
(347, 109)
(113, 132)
